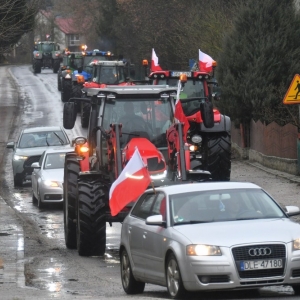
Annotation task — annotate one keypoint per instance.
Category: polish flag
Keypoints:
(179, 114)
(205, 62)
(132, 182)
(154, 62)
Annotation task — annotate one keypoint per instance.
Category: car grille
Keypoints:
(241, 254)
(30, 160)
(296, 273)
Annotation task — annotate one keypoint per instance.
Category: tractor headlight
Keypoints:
(196, 139)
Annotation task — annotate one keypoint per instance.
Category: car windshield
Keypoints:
(42, 139)
(223, 205)
(147, 117)
(54, 161)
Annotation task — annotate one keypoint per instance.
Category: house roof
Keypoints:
(66, 25)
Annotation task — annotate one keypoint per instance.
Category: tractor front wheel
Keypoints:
(85, 114)
(71, 171)
(91, 220)
(56, 65)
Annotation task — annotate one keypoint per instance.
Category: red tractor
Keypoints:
(121, 119)
(207, 144)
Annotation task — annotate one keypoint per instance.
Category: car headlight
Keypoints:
(20, 157)
(203, 250)
(296, 244)
(51, 183)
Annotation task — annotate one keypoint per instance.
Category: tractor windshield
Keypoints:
(192, 88)
(47, 47)
(146, 117)
(110, 75)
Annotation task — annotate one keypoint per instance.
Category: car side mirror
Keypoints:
(10, 145)
(292, 210)
(35, 165)
(155, 220)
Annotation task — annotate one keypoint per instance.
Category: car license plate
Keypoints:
(260, 264)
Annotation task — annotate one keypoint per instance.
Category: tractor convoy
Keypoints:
(123, 114)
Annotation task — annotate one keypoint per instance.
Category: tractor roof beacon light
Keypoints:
(183, 78)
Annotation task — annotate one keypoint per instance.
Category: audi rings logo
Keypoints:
(259, 251)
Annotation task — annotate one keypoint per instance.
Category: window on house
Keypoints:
(74, 39)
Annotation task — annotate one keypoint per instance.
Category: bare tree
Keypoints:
(16, 19)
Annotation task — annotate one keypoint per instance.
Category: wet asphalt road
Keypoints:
(62, 273)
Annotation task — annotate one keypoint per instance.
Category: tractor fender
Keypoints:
(64, 73)
(223, 125)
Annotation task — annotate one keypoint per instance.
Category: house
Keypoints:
(62, 30)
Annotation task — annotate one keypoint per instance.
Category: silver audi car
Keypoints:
(47, 176)
(209, 236)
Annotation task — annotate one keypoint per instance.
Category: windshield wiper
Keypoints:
(59, 138)
(192, 222)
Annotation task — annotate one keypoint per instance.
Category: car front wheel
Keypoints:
(130, 285)
(175, 286)
(18, 180)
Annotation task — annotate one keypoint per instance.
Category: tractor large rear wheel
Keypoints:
(76, 93)
(71, 171)
(85, 114)
(218, 154)
(91, 220)
(66, 90)
(37, 66)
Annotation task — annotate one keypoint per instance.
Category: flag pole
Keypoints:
(153, 187)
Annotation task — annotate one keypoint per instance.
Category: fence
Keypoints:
(271, 145)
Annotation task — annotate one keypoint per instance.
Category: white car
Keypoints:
(209, 236)
(31, 143)
(47, 176)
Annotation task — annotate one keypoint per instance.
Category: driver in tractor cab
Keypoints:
(109, 76)
(132, 123)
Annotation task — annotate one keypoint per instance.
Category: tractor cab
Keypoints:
(108, 73)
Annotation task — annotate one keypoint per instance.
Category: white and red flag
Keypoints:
(154, 62)
(179, 114)
(132, 182)
(205, 62)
